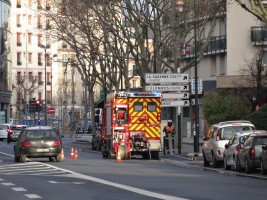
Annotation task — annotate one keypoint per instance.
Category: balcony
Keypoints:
(19, 63)
(19, 44)
(18, 5)
(40, 82)
(49, 83)
(258, 36)
(216, 45)
(40, 64)
(47, 7)
(18, 25)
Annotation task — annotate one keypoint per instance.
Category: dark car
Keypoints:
(14, 133)
(248, 156)
(79, 130)
(263, 159)
(38, 142)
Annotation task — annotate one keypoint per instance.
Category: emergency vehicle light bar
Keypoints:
(135, 94)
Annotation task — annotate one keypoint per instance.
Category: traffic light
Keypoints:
(32, 106)
(38, 106)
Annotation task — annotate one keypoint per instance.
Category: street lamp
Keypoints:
(45, 111)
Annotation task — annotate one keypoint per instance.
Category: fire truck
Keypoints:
(131, 125)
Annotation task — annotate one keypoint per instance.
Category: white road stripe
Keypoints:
(19, 189)
(33, 196)
(7, 184)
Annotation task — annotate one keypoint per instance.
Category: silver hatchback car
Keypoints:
(220, 134)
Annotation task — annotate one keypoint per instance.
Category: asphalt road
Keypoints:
(92, 177)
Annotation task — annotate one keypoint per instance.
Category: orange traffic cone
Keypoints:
(76, 155)
(118, 158)
(62, 154)
(72, 153)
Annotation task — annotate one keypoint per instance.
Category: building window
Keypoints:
(133, 83)
(40, 59)
(18, 3)
(29, 19)
(18, 78)
(19, 58)
(29, 3)
(19, 39)
(39, 4)
(29, 38)
(39, 22)
(39, 95)
(30, 77)
(18, 21)
(40, 80)
(47, 4)
(264, 58)
(30, 58)
(48, 75)
(39, 40)
(48, 26)
(135, 70)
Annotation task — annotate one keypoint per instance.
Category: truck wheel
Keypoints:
(123, 151)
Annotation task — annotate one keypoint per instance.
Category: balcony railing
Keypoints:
(19, 63)
(40, 82)
(19, 44)
(40, 63)
(215, 46)
(258, 35)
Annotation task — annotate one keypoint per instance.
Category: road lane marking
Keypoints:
(19, 189)
(33, 196)
(7, 184)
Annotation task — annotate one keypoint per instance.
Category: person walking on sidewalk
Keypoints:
(169, 133)
(73, 127)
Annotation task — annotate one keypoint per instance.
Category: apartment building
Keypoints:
(38, 71)
(5, 62)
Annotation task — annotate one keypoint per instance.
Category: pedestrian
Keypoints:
(169, 133)
(73, 127)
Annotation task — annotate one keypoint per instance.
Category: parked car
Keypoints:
(79, 130)
(38, 142)
(263, 159)
(14, 133)
(231, 149)
(5, 130)
(220, 134)
(248, 157)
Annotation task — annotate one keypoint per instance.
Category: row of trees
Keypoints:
(107, 36)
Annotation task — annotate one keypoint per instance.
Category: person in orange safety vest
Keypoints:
(169, 129)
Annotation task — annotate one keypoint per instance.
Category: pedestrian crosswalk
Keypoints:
(32, 168)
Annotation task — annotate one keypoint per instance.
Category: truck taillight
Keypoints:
(26, 143)
(252, 153)
(159, 117)
(9, 131)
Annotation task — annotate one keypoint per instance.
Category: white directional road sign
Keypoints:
(167, 88)
(174, 95)
(167, 78)
(175, 103)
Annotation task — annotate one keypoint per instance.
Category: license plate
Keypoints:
(42, 150)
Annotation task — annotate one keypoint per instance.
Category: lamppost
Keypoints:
(196, 134)
(45, 111)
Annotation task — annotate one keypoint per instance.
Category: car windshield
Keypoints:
(41, 134)
(229, 131)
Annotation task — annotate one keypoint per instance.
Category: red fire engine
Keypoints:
(131, 125)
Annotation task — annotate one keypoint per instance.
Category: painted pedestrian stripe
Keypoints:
(19, 189)
(33, 196)
(31, 168)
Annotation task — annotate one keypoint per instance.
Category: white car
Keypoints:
(213, 146)
(231, 149)
(5, 130)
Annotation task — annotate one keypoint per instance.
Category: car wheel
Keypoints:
(206, 162)
(226, 167)
(23, 159)
(214, 161)
(247, 168)
(263, 170)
